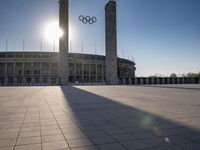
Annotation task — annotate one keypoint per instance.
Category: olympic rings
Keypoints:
(87, 19)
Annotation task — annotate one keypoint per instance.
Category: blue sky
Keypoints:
(162, 35)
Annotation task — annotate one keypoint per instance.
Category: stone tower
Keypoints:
(111, 42)
(63, 64)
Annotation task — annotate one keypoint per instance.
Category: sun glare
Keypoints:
(52, 32)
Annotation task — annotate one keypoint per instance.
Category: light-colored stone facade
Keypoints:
(111, 43)
(41, 68)
(63, 43)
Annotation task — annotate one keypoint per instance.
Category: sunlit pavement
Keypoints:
(100, 117)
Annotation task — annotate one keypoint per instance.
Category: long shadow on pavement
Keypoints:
(110, 125)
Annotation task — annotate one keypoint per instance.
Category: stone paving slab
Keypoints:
(100, 118)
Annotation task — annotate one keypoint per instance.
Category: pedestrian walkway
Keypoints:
(100, 118)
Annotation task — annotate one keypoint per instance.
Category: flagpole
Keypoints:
(82, 46)
(41, 45)
(95, 49)
(123, 53)
(128, 54)
(23, 44)
(6, 45)
(54, 45)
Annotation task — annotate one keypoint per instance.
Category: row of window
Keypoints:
(55, 55)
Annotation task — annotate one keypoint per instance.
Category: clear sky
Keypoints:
(162, 35)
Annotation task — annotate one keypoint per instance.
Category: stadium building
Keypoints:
(41, 68)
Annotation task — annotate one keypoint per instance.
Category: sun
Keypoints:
(52, 32)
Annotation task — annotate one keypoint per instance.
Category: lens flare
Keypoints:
(52, 32)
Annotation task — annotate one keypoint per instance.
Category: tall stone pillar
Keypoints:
(63, 43)
(111, 42)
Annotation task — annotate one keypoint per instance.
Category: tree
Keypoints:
(193, 75)
(196, 75)
(182, 75)
(173, 75)
(189, 74)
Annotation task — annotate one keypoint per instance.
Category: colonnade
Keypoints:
(159, 80)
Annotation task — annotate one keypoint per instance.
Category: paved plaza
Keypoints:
(100, 118)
